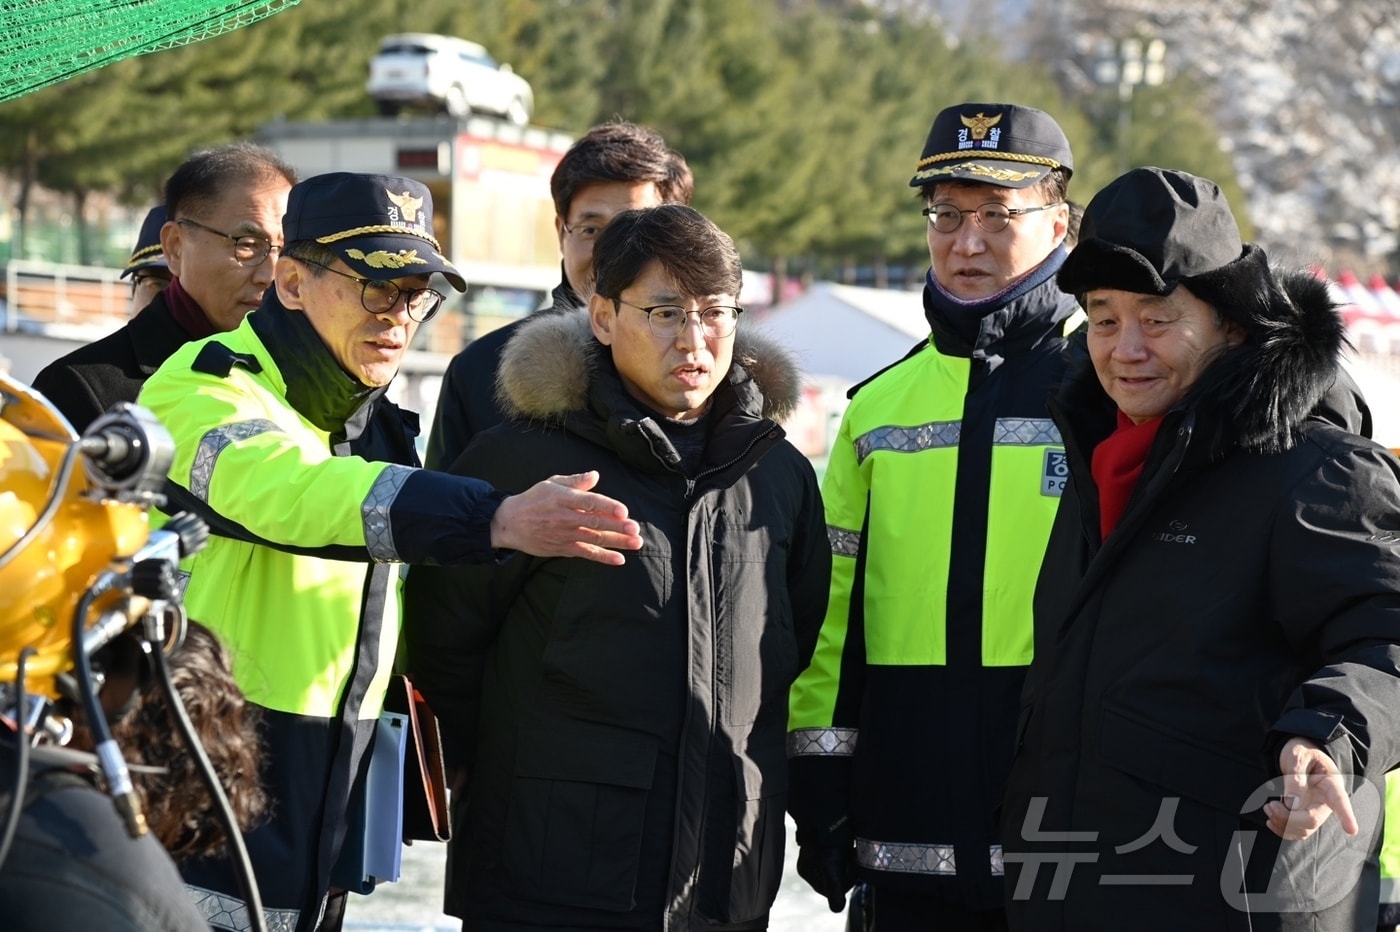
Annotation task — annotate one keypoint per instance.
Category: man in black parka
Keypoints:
(624, 728)
(1212, 706)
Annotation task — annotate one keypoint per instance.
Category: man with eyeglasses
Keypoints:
(613, 167)
(308, 477)
(624, 730)
(223, 226)
(939, 494)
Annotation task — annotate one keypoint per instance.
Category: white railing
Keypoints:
(41, 296)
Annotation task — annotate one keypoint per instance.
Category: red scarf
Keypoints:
(187, 312)
(1116, 465)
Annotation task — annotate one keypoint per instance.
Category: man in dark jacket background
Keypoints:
(624, 727)
(613, 167)
(1211, 709)
(220, 240)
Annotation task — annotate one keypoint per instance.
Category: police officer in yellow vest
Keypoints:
(939, 495)
(305, 471)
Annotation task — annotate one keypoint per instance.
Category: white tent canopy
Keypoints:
(847, 333)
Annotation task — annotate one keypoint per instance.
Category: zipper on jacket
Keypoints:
(743, 455)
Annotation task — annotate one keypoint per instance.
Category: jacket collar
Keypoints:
(317, 387)
(1002, 326)
(155, 335)
(563, 297)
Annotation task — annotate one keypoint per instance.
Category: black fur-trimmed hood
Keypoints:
(547, 367)
(1258, 395)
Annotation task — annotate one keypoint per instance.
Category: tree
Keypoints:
(802, 119)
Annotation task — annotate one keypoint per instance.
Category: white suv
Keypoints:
(442, 71)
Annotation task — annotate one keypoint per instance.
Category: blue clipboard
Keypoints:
(373, 848)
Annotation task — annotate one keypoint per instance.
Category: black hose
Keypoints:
(109, 755)
(21, 784)
(243, 865)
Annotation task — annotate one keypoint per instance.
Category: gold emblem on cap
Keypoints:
(407, 203)
(383, 259)
(980, 124)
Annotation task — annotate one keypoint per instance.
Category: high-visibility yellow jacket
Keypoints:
(939, 493)
(307, 478)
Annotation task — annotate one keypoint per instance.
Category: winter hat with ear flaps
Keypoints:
(1152, 229)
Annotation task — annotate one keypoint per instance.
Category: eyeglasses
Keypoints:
(158, 282)
(668, 320)
(993, 218)
(248, 250)
(584, 232)
(379, 297)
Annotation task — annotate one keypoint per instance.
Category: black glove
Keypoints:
(829, 871)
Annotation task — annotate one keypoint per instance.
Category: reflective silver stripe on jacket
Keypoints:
(909, 439)
(844, 543)
(918, 859)
(214, 443)
(229, 912)
(822, 742)
(379, 530)
(1026, 432)
(1390, 890)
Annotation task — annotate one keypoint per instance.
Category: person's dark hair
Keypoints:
(310, 251)
(177, 805)
(203, 177)
(699, 256)
(620, 151)
(1053, 187)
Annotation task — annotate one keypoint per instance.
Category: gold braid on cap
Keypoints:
(366, 231)
(988, 154)
(142, 253)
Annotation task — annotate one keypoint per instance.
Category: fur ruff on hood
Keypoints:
(1262, 391)
(547, 366)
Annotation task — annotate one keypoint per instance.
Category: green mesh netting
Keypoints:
(43, 42)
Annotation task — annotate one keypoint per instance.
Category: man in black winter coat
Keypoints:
(613, 167)
(624, 728)
(220, 240)
(1210, 712)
